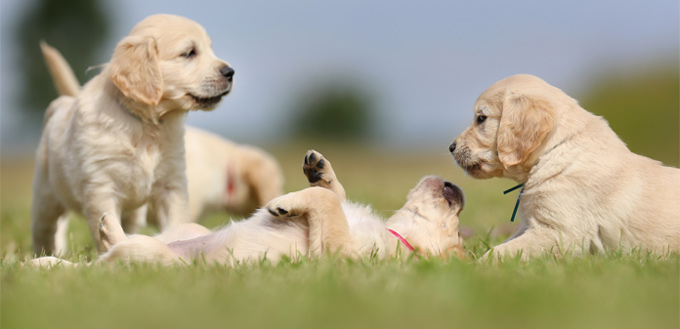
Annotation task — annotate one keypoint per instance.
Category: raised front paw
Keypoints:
(283, 206)
(319, 172)
(313, 166)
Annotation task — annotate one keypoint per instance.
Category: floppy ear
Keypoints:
(524, 125)
(134, 69)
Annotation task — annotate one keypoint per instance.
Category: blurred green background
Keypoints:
(642, 107)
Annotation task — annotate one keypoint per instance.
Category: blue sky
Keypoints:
(425, 61)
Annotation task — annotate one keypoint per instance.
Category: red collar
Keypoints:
(403, 240)
(231, 185)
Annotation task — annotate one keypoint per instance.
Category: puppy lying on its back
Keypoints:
(118, 143)
(313, 221)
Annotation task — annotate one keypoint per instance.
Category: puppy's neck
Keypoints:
(426, 236)
(406, 223)
(522, 172)
(145, 113)
(567, 129)
(519, 173)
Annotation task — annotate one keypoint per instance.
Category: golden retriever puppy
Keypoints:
(118, 143)
(220, 173)
(584, 191)
(314, 221)
(224, 175)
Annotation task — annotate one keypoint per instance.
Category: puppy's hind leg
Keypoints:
(49, 262)
(60, 237)
(101, 204)
(141, 249)
(319, 172)
(45, 213)
(110, 232)
(328, 226)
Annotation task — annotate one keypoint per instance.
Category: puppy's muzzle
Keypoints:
(453, 194)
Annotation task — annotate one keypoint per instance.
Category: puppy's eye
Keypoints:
(481, 119)
(189, 54)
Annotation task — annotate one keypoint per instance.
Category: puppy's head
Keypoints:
(512, 119)
(431, 214)
(167, 64)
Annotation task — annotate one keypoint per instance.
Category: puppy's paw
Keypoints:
(284, 206)
(315, 167)
(320, 173)
(110, 232)
(49, 262)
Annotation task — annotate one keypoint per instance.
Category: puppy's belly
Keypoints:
(189, 249)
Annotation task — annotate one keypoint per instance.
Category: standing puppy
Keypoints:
(109, 148)
(584, 191)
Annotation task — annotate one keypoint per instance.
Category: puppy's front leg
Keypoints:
(319, 172)
(328, 227)
(45, 215)
(170, 203)
(97, 206)
(169, 197)
(534, 241)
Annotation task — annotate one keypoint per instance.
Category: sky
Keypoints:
(426, 62)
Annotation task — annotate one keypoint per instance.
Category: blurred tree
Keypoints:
(76, 27)
(337, 110)
(643, 108)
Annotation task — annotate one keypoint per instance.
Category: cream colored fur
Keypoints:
(225, 175)
(314, 221)
(584, 190)
(117, 143)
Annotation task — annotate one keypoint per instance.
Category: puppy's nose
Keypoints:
(452, 147)
(227, 72)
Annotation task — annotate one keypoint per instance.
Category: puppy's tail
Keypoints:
(62, 75)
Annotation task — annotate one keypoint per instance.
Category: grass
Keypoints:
(616, 290)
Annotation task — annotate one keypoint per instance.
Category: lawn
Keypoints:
(616, 290)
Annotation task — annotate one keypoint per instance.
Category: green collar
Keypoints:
(519, 197)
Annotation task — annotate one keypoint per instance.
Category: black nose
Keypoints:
(227, 72)
(452, 147)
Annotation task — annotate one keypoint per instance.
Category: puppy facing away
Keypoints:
(226, 175)
(314, 221)
(584, 191)
(117, 143)
(223, 175)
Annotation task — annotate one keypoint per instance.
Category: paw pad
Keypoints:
(313, 166)
(279, 212)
